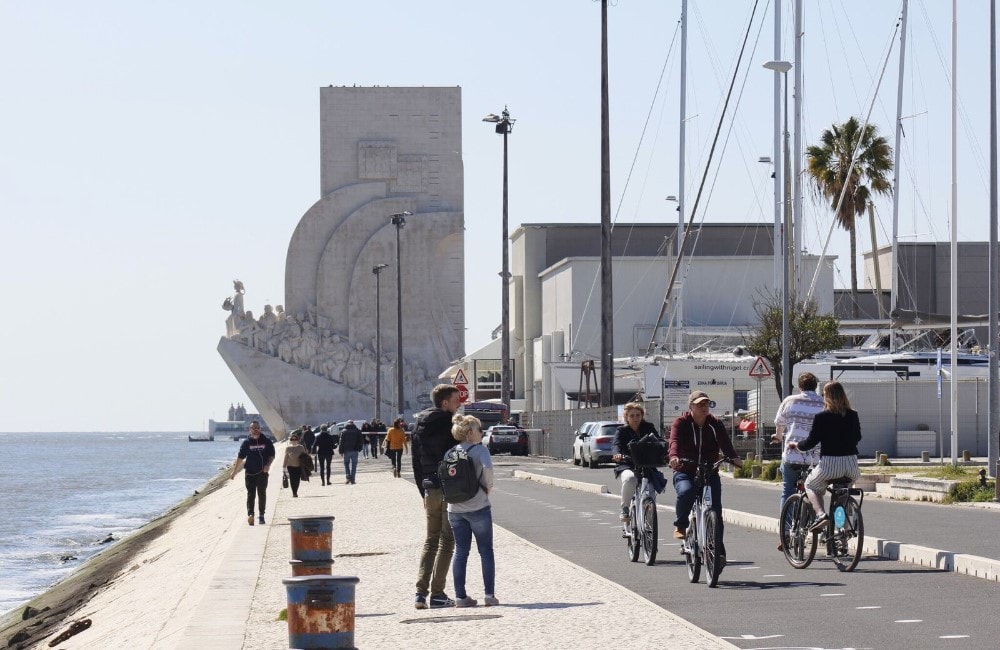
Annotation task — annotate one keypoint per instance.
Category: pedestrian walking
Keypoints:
(308, 438)
(474, 516)
(292, 465)
(395, 446)
(351, 442)
(365, 438)
(255, 456)
(431, 439)
(323, 447)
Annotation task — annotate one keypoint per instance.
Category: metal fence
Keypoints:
(885, 407)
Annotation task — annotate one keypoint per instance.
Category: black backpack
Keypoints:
(457, 475)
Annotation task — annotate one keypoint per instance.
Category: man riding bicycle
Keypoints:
(697, 436)
(635, 427)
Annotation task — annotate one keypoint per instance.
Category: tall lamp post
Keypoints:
(377, 270)
(504, 125)
(399, 220)
(786, 372)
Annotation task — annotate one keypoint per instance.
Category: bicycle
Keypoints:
(641, 530)
(704, 532)
(845, 526)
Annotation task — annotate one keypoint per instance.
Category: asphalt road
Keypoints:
(761, 601)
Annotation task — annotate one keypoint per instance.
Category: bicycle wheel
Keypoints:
(850, 540)
(799, 545)
(713, 546)
(632, 534)
(692, 556)
(650, 530)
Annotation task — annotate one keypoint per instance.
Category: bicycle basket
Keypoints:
(648, 453)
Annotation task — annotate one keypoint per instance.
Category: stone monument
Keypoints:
(383, 151)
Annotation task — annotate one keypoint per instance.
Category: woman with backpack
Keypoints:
(473, 516)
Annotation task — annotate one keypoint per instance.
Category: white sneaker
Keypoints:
(490, 600)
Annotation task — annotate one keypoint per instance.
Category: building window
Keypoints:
(741, 399)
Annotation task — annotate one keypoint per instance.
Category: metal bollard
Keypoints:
(312, 537)
(925, 456)
(315, 568)
(320, 611)
(966, 456)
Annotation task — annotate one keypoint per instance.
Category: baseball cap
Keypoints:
(698, 396)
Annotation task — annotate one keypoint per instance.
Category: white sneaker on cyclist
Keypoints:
(819, 524)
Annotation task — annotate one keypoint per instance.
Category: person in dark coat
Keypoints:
(635, 427)
(308, 437)
(323, 448)
(351, 443)
(256, 454)
(431, 439)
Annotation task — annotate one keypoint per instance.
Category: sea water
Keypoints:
(63, 494)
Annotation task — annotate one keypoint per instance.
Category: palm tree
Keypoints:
(828, 165)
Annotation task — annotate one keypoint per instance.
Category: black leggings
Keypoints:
(324, 466)
(294, 478)
(256, 487)
(396, 456)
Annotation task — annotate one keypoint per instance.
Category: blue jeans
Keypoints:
(350, 465)
(684, 486)
(464, 525)
(789, 476)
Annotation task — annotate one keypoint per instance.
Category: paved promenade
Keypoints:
(213, 582)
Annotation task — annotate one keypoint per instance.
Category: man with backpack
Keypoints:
(431, 439)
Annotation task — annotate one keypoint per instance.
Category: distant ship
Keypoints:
(237, 427)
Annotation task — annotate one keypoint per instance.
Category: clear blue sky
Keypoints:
(151, 152)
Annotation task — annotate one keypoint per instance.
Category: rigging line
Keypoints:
(972, 141)
(826, 48)
(638, 147)
(718, 168)
(701, 187)
(843, 50)
(889, 117)
(850, 168)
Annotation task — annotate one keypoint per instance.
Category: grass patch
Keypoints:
(948, 472)
(971, 491)
(283, 615)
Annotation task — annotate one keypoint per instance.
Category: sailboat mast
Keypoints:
(894, 289)
(993, 419)
(797, 156)
(954, 232)
(682, 153)
(776, 157)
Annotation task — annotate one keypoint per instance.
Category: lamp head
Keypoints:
(778, 66)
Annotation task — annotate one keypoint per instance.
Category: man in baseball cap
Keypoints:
(697, 436)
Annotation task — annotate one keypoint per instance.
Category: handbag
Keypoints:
(284, 479)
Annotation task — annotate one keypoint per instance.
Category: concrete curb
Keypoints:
(970, 565)
(562, 482)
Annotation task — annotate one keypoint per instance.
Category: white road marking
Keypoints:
(955, 636)
(910, 620)
(869, 607)
(830, 595)
(775, 575)
(749, 568)
(753, 637)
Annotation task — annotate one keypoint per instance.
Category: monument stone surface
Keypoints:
(383, 151)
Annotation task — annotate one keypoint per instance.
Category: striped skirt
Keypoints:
(831, 468)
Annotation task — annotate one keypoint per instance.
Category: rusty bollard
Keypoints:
(320, 611)
(314, 568)
(312, 537)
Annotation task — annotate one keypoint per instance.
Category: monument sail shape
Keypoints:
(383, 151)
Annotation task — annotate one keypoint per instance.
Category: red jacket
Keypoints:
(685, 440)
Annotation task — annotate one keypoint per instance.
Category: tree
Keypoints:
(827, 171)
(809, 333)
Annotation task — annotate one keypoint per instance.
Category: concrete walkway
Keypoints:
(546, 602)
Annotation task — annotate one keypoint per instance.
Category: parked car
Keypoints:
(505, 437)
(593, 443)
(579, 440)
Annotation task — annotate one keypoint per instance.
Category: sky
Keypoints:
(151, 152)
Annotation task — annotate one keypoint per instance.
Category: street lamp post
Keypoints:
(786, 372)
(377, 270)
(399, 220)
(504, 125)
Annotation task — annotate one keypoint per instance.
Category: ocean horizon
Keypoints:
(71, 491)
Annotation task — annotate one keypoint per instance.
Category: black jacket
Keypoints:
(325, 444)
(350, 439)
(431, 439)
(840, 434)
(625, 435)
(308, 438)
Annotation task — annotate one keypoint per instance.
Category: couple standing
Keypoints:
(451, 526)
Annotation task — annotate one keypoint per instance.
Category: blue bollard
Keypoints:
(320, 611)
(312, 537)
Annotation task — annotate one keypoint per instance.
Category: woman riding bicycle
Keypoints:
(697, 436)
(838, 430)
(635, 427)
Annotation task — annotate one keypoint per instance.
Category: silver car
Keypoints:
(594, 442)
